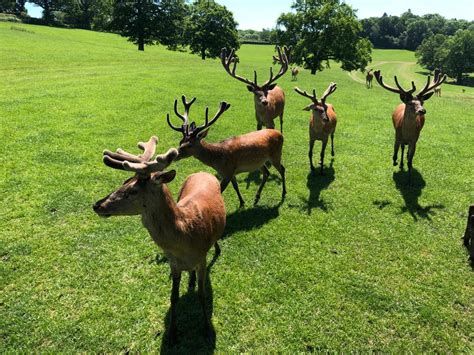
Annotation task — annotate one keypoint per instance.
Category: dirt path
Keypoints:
(353, 74)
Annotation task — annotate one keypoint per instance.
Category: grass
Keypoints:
(356, 260)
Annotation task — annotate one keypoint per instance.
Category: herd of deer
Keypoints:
(187, 229)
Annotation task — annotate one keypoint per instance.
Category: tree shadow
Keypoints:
(190, 321)
(315, 182)
(251, 218)
(411, 188)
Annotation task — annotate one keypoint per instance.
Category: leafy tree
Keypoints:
(49, 7)
(416, 32)
(427, 52)
(210, 27)
(20, 6)
(458, 54)
(7, 5)
(171, 22)
(137, 20)
(324, 30)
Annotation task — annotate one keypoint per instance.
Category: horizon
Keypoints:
(252, 20)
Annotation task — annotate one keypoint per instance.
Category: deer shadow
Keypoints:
(255, 177)
(410, 188)
(248, 219)
(315, 182)
(190, 322)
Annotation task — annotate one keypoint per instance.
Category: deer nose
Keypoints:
(421, 111)
(96, 206)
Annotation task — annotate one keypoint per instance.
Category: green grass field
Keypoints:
(356, 260)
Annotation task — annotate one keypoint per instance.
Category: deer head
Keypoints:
(192, 134)
(319, 107)
(260, 91)
(414, 103)
(129, 199)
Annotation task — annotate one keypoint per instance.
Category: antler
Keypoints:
(184, 118)
(140, 164)
(438, 80)
(287, 53)
(224, 106)
(400, 90)
(305, 94)
(283, 60)
(226, 60)
(331, 88)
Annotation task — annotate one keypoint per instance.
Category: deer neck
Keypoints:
(161, 216)
(209, 154)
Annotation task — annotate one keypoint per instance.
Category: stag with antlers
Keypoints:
(269, 98)
(322, 123)
(232, 156)
(409, 117)
(185, 230)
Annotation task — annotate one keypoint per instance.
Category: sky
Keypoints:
(258, 14)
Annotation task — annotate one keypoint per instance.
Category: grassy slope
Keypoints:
(355, 260)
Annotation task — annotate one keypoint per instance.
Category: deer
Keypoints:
(322, 123)
(269, 98)
(244, 153)
(468, 237)
(409, 116)
(185, 230)
(437, 91)
(368, 79)
(294, 73)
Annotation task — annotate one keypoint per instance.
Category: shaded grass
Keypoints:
(355, 260)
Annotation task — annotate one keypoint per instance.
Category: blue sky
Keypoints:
(258, 14)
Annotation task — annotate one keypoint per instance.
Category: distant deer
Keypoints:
(294, 73)
(234, 155)
(469, 233)
(269, 98)
(322, 123)
(185, 230)
(437, 91)
(409, 117)
(368, 79)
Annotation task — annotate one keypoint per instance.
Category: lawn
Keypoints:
(356, 260)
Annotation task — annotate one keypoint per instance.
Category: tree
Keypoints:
(210, 27)
(88, 14)
(171, 20)
(427, 52)
(416, 32)
(324, 30)
(458, 54)
(7, 5)
(20, 6)
(137, 20)
(49, 7)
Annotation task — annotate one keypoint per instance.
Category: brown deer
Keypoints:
(409, 117)
(322, 123)
(294, 73)
(234, 155)
(368, 79)
(437, 91)
(269, 98)
(185, 230)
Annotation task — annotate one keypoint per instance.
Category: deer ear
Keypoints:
(308, 108)
(202, 134)
(405, 98)
(164, 178)
(427, 96)
(250, 88)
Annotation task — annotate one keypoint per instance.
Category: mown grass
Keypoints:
(356, 260)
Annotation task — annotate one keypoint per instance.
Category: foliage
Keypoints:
(408, 30)
(209, 28)
(253, 36)
(427, 52)
(88, 14)
(356, 261)
(49, 8)
(172, 16)
(324, 30)
(7, 5)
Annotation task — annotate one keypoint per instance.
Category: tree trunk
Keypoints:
(313, 70)
(203, 54)
(459, 79)
(141, 44)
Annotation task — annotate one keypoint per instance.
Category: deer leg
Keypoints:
(174, 300)
(281, 123)
(201, 276)
(310, 153)
(411, 154)
(236, 188)
(266, 173)
(332, 144)
(321, 161)
(192, 280)
(225, 181)
(395, 151)
(401, 159)
(281, 170)
(217, 249)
